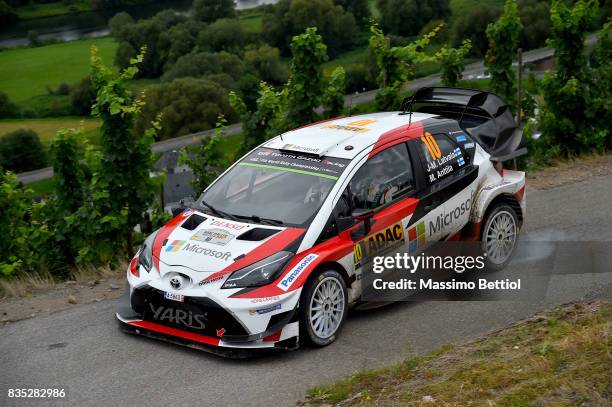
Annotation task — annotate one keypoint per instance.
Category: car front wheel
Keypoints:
(499, 236)
(323, 308)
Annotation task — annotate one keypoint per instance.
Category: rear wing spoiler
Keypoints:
(483, 115)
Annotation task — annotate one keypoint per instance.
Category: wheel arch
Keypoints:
(508, 199)
(333, 266)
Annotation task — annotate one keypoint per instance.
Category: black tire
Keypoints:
(498, 211)
(308, 335)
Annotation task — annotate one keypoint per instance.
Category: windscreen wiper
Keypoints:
(218, 212)
(258, 219)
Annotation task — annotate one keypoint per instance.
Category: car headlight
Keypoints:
(261, 273)
(145, 254)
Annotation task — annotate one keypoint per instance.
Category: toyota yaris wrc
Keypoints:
(273, 252)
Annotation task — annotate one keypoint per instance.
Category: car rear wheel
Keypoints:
(323, 308)
(499, 236)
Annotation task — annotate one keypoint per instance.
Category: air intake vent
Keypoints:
(257, 234)
(193, 222)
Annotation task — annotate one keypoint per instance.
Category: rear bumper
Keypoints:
(283, 334)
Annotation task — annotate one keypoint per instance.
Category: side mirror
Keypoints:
(362, 215)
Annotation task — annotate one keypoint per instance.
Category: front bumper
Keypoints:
(223, 334)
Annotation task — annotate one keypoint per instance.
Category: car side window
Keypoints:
(382, 179)
(441, 156)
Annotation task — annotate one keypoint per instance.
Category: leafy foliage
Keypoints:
(576, 104)
(289, 18)
(186, 105)
(265, 62)
(7, 108)
(407, 17)
(212, 10)
(223, 35)
(206, 160)
(397, 65)
(14, 226)
(503, 39)
(453, 63)
(82, 97)
(21, 150)
(473, 26)
(360, 9)
(120, 189)
(333, 99)
(305, 77)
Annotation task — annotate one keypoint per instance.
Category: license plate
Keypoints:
(174, 297)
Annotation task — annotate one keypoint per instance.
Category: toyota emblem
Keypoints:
(176, 283)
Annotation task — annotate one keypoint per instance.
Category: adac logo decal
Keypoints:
(175, 246)
(296, 271)
(378, 243)
(432, 145)
(363, 122)
(416, 237)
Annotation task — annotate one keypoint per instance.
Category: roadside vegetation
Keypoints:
(560, 358)
(205, 71)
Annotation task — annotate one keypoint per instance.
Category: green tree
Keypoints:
(120, 189)
(179, 40)
(473, 26)
(453, 63)
(206, 160)
(14, 226)
(266, 64)
(204, 64)
(570, 91)
(360, 9)
(407, 17)
(212, 10)
(305, 77)
(7, 108)
(289, 18)
(82, 97)
(535, 18)
(397, 65)
(503, 39)
(21, 150)
(187, 105)
(333, 98)
(223, 35)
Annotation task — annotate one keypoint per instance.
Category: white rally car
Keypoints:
(271, 254)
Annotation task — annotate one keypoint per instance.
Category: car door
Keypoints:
(448, 186)
(384, 184)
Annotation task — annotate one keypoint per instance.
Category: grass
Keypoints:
(42, 188)
(460, 8)
(27, 72)
(47, 128)
(562, 358)
(32, 11)
(251, 23)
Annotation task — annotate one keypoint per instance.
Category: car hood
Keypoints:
(206, 243)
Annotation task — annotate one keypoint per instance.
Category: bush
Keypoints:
(473, 26)
(180, 40)
(223, 35)
(21, 151)
(290, 18)
(408, 17)
(212, 10)
(266, 64)
(187, 105)
(359, 78)
(14, 203)
(535, 18)
(203, 64)
(7, 108)
(82, 97)
(360, 9)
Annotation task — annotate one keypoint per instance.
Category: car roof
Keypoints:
(331, 137)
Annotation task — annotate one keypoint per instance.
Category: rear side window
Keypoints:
(441, 156)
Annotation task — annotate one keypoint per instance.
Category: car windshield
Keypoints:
(274, 186)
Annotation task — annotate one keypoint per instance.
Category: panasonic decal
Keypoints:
(295, 272)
